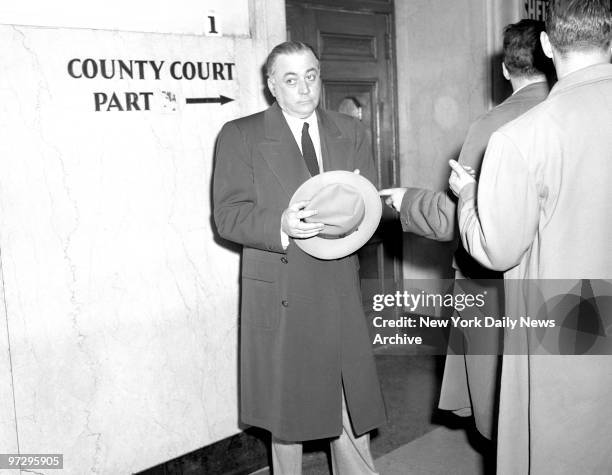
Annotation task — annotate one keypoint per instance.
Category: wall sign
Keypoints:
(110, 69)
(535, 9)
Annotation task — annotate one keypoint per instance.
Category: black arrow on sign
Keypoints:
(209, 100)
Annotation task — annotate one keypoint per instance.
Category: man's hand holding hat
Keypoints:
(349, 210)
(292, 222)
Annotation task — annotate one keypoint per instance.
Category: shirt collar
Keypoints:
(296, 123)
(527, 85)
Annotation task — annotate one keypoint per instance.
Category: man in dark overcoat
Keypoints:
(306, 357)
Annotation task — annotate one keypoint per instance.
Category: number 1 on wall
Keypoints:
(212, 25)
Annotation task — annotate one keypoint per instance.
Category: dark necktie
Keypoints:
(308, 151)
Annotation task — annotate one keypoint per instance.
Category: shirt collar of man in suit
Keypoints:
(527, 85)
(295, 125)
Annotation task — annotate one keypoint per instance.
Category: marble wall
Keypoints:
(118, 311)
(118, 319)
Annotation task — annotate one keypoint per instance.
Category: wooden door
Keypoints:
(357, 69)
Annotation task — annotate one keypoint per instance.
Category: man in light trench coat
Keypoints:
(542, 213)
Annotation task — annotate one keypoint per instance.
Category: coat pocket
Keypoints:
(260, 297)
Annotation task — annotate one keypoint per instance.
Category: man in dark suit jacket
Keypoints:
(305, 351)
(469, 385)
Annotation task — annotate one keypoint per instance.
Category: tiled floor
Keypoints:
(418, 438)
(442, 451)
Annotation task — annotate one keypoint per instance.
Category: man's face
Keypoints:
(296, 84)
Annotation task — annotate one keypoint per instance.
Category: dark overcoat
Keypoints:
(303, 332)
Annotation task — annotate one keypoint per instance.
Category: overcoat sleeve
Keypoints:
(428, 213)
(432, 214)
(499, 224)
(475, 144)
(238, 215)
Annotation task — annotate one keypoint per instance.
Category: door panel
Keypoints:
(362, 96)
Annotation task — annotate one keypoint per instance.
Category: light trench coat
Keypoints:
(543, 210)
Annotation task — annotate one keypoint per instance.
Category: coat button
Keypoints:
(284, 260)
(284, 303)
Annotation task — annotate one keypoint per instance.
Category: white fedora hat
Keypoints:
(348, 205)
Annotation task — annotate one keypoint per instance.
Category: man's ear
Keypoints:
(505, 72)
(271, 86)
(546, 46)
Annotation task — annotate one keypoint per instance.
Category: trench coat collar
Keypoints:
(532, 91)
(590, 74)
(283, 155)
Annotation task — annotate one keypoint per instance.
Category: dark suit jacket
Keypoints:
(303, 329)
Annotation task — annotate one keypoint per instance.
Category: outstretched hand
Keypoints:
(292, 224)
(459, 177)
(393, 197)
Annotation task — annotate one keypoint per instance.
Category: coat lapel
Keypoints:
(334, 145)
(281, 152)
(283, 155)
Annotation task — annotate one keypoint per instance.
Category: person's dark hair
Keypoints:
(523, 55)
(288, 47)
(574, 25)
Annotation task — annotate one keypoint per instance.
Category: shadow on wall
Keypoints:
(500, 88)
